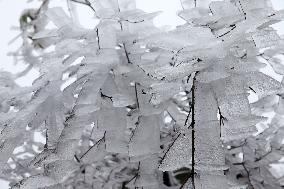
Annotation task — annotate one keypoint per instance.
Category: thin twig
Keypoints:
(193, 131)
(87, 3)
(181, 3)
(93, 146)
(171, 145)
(136, 95)
(97, 32)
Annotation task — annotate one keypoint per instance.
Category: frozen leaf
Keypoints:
(107, 34)
(112, 119)
(277, 65)
(178, 116)
(230, 133)
(259, 5)
(178, 154)
(61, 170)
(7, 147)
(137, 16)
(121, 100)
(237, 105)
(210, 154)
(143, 98)
(195, 3)
(45, 34)
(147, 172)
(205, 103)
(266, 38)
(36, 181)
(221, 8)
(163, 91)
(207, 77)
(66, 149)
(116, 141)
(94, 153)
(213, 181)
(263, 84)
(145, 139)
(58, 16)
(126, 5)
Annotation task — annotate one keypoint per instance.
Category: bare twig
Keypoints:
(98, 142)
(193, 131)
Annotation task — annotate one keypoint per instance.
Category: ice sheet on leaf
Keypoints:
(162, 71)
(73, 131)
(90, 90)
(277, 140)
(265, 105)
(96, 153)
(54, 121)
(279, 108)
(100, 63)
(254, 5)
(111, 119)
(45, 34)
(125, 92)
(143, 99)
(272, 157)
(107, 34)
(146, 136)
(205, 103)
(42, 158)
(68, 46)
(147, 172)
(126, 5)
(35, 181)
(264, 38)
(60, 170)
(179, 153)
(277, 65)
(189, 185)
(116, 141)
(209, 76)
(187, 4)
(182, 37)
(245, 66)
(109, 87)
(234, 105)
(223, 8)
(209, 153)
(213, 181)
(178, 116)
(105, 8)
(66, 149)
(164, 91)
(137, 16)
(7, 147)
(121, 100)
(238, 128)
(229, 86)
(58, 16)
(263, 84)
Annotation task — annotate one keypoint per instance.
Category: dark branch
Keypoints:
(98, 142)
(193, 131)
(97, 31)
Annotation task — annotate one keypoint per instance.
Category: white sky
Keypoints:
(10, 11)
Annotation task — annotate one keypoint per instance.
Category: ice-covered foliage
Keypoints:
(129, 105)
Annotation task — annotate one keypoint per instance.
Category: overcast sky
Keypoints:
(10, 11)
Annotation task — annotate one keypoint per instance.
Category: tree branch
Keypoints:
(98, 142)
(193, 131)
